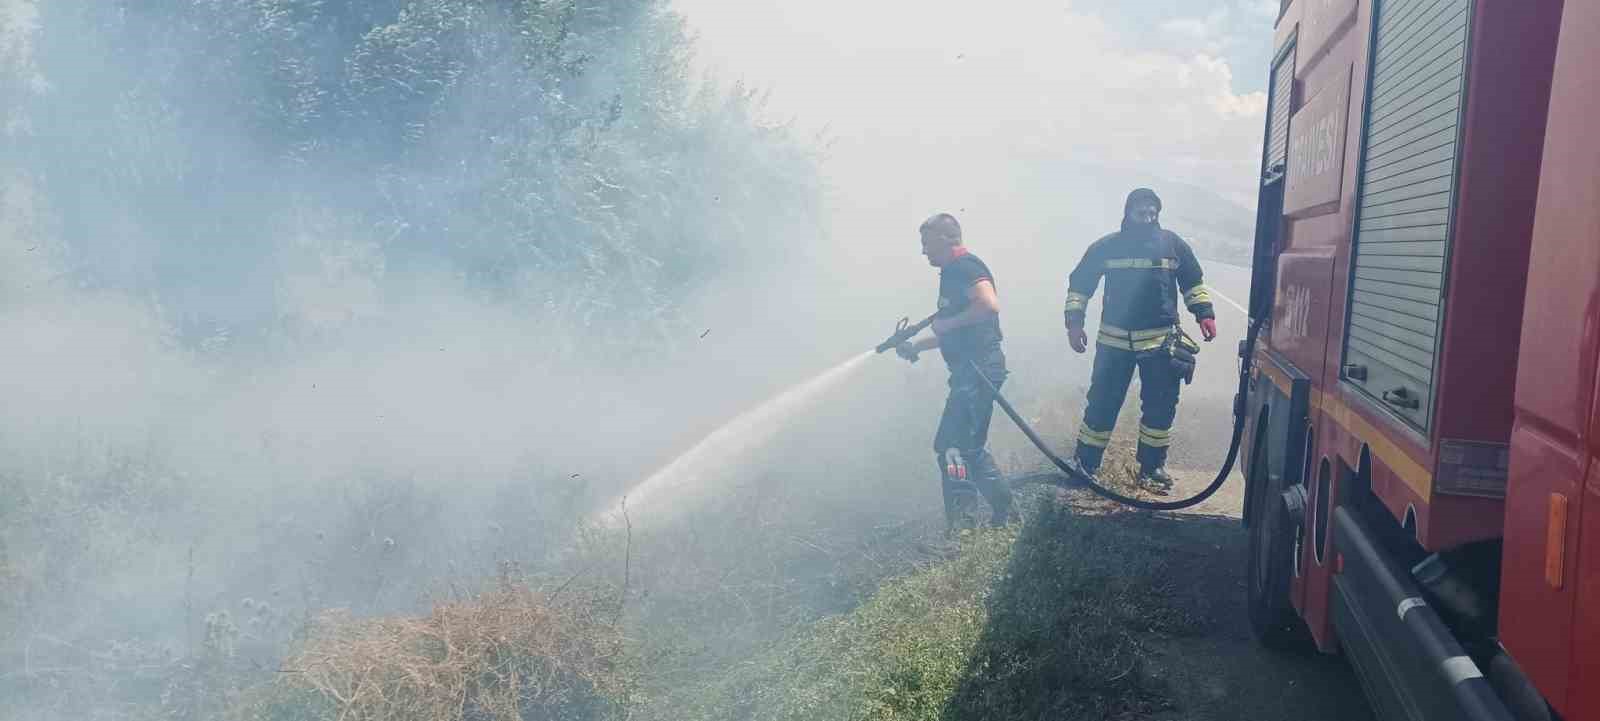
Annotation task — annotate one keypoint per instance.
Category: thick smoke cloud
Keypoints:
(334, 303)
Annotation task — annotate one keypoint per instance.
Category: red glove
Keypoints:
(1208, 328)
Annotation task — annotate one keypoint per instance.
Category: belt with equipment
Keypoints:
(1134, 340)
(1172, 341)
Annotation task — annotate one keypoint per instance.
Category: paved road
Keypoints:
(1205, 413)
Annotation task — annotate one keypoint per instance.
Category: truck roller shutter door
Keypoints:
(1277, 146)
(1406, 201)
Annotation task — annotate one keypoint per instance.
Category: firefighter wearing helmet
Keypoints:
(1145, 267)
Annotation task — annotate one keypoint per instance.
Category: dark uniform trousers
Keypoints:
(1158, 397)
(964, 426)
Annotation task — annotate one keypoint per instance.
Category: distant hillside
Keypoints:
(1218, 228)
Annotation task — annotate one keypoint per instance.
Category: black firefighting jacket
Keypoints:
(1144, 268)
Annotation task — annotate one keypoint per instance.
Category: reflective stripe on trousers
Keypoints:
(1158, 396)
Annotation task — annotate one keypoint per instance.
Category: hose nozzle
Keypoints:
(904, 331)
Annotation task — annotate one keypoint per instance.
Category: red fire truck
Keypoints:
(1422, 439)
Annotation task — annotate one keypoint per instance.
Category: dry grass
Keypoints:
(1119, 469)
(1053, 619)
(511, 654)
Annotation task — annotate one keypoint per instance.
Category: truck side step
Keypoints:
(1411, 665)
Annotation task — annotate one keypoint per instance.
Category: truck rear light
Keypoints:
(1555, 542)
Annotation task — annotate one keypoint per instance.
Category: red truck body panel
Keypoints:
(1485, 384)
(1508, 92)
(1501, 125)
(1550, 582)
(1309, 294)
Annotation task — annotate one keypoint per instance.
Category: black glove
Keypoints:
(907, 351)
(1182, 350)
(1183, 363)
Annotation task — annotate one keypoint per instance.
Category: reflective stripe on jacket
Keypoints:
(1135, 340)
(1144, 269)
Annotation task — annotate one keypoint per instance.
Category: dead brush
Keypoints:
(1119, 469)
(510, 654)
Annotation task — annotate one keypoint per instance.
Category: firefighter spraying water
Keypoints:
(966, 330)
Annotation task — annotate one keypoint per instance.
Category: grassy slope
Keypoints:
(1051, 620)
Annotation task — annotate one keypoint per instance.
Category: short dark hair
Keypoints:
(942, 225)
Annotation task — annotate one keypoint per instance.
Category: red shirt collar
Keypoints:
(958, 251)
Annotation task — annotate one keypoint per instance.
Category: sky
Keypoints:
(1174, 88)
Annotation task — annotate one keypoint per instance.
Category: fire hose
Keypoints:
(1070, 475)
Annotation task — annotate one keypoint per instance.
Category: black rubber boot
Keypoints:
(1156, 479)
(1088, 457)
(960, 494)
(985, 473)
(1082, 467)
(1152, 459)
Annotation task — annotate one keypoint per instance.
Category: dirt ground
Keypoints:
(1221, 673)
(1227, 674)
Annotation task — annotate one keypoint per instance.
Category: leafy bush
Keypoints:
(230, 187)
(557, 154)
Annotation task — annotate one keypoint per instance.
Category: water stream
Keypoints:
(691, 470)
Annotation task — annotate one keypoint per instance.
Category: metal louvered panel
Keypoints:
(1277, 150)
(1407, 199)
